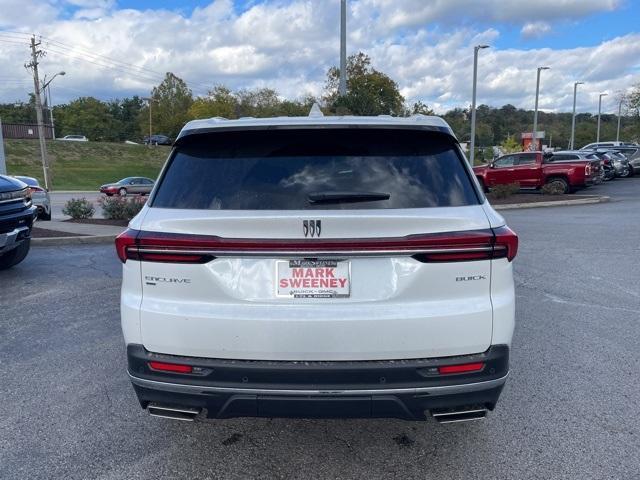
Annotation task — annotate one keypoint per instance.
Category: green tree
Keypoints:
(19, 112)
(86, 116)
(261, 102)
(126, 113)
(369, 91)
(632, 100)
(220, 102)
(421, 108)
(510, 145)
(170, 109)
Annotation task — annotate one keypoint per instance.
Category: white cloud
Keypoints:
(409, 13)
(535, 29)
(290, 45)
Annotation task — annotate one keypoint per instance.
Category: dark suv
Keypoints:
(16, 219)
(157, 140)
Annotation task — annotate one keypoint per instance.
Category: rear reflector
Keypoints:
(462, 246)
(464, 368)
(170, 367)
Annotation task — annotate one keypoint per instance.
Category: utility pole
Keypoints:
(473, 102)
(33, 66)
(573, 117)
(599, 112)
(342, 89)
(534, 141)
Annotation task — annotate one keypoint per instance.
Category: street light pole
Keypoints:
(573, 117)
(473, 102)
(619, 115)
(599, 112)
(342, 88)
(534, 142)
(46, 87)
(149, 100)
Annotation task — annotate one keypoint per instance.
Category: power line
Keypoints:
(74, 52)
(108, 60)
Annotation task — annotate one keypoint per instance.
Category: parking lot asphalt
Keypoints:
(569, 409)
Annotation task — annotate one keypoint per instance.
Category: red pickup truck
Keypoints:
(532, 170)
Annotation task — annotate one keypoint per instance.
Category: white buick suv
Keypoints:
(318, 267)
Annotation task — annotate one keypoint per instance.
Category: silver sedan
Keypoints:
(39, 197)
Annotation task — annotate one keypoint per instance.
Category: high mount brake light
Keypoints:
(460, 246)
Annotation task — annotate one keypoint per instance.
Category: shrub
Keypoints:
(79, 208)
(552, 189)
(121, 208)
(505, 191)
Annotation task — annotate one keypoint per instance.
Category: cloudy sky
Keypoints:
(116, 48)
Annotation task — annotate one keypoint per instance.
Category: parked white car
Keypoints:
(318, 267)
(74, 138)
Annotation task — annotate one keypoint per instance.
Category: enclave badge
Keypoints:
(311, 228)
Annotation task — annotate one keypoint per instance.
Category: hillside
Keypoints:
(84, 166)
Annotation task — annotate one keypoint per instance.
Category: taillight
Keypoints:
(506, 243)
(463, 368)
(587, 170)
(35, 189)
(124, 241)
(142, 246)
(170, 367)
(463, 246)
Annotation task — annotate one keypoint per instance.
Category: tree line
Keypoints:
(370, 92)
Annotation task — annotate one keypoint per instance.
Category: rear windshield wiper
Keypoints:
(343, 197)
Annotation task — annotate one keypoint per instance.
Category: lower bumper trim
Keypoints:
(432, 390)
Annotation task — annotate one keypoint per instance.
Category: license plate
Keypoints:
(313, 278)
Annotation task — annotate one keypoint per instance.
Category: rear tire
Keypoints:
(45, 216)
(15, 256)
(627, 174)
(559, 181)
(122, 192)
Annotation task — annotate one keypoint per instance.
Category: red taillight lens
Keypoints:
(587, 170)
(506, 243)
(170, 367)
(35, 189)
(124, 242)
(464, 368)
(134, 245)
(460, 246)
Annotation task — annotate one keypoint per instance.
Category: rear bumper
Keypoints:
(405, 389)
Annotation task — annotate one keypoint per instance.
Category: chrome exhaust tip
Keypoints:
(185, 414)
(456, 416)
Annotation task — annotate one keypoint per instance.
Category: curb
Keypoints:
(561, 203)
(86, 240)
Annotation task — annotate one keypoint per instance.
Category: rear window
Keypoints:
(293, 169)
